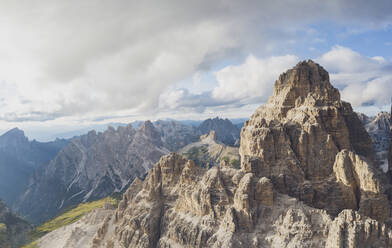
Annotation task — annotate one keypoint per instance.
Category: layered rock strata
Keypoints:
(307, 179)
(305, 137)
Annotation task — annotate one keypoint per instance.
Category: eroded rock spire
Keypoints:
(307, 179)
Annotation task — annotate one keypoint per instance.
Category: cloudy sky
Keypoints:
(71, 64)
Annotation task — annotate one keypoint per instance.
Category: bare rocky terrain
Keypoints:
(94, 165)
(91, 167)
(378, 128)
(78, 234)
(308, 178)
(208, 151)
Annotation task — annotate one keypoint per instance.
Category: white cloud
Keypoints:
(362, 80)
(251, 80)
(83, 59)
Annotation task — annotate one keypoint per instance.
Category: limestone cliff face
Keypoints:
(295, 138)
(307, 179)
(182, 205)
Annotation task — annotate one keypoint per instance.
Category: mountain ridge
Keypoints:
(305, 180)
(91, 167)
(19, 158)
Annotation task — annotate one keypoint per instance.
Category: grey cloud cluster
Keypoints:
(362, 81)
(72, 58)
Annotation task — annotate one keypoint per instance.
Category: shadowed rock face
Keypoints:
(225, 131)
(176, 135)
(307, 179)
(19, 157)
(378, 128)
(13, 230)
(91, 167)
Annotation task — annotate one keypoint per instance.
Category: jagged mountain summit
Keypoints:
(91, 167)
(225, 131)
(19, 157)
(379, 129)
(307, 179)
(176, 135)
(96, 165)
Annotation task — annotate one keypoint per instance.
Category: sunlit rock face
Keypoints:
(298, 136)
(307, 179)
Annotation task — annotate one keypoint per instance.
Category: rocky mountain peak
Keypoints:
(226, 132)
(378, 128)
(211, 136)
(91, 167)
(306, 180)
(304, 130)
(307, 81)
(13, 137)
(15, 132)
(148, 129)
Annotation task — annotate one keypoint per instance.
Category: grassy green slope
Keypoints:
(68, 217)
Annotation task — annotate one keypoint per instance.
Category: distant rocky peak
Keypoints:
(364, 118)
(307, 81)
(124, 129)
(210, 136)
(148, 129)
(15, 133)
(14, 137)
(225, 131)
(383, 116)
(147, 125)
(89, 139)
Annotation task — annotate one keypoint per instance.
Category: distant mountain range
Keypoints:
(19, 157)
(63, 173)
(307, 178)
(379, 129)
(91, 167)
(209, 152)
